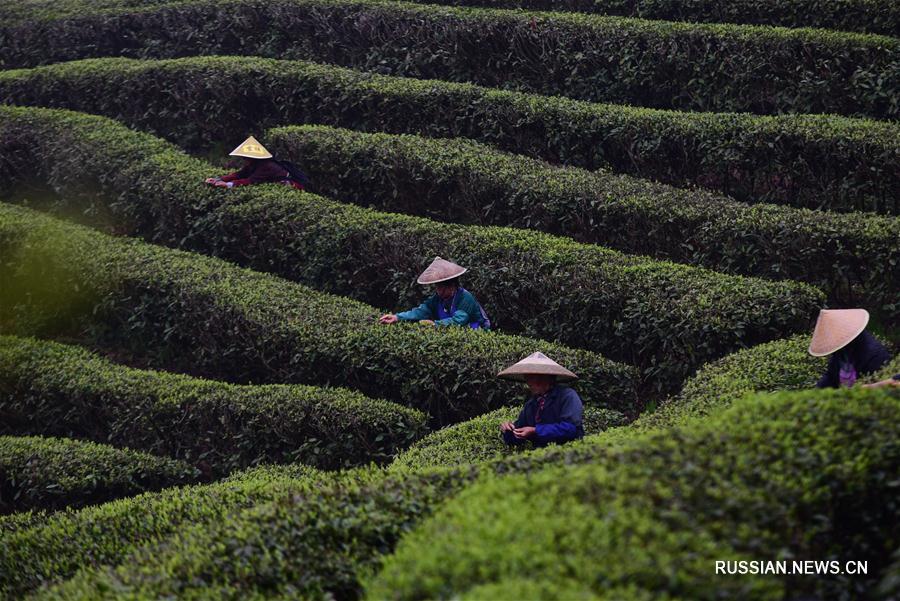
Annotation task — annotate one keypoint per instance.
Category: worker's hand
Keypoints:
(426, 322)
(220, 184)
(388, 319)
(524, 432)
(889, 383)
(507, 427)
(211, 180)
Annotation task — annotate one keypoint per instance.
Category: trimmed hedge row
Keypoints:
(804, 160)
(778, 365)
(204, 316)
(478, 439)
(53, 389)
(582, 295)
(70, 541)
(852, 256)
(54, 473)
(808, 475)
(695, 67)
(754, 451)
(863, 16)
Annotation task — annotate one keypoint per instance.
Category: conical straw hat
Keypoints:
(251, 149)
(537, 364)
(440, 270)
(835, 329)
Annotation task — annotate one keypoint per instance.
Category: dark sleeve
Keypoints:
(897, 377)
(830, 378)
(520, 421)
(240, 174)
(569, 419)
(876, 356)
(269, 171)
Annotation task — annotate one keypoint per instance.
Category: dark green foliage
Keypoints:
(52, 389)
(479, 440)
(854, 257)
(531, 283)
(801, 475)
(805, 160)
(65, 542)
(53, 473)
(202, 315)
(587, 57)
(865, 16)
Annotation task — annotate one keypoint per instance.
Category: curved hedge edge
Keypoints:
(859, 16)
(22, 520)
(806, 473)
(58, 546)
(60, 390)
(806, 160)
(592, 297)
(853, 257)
(778, 365)
(479, 440)
(692, 67)
(166, 308)
(55, 473)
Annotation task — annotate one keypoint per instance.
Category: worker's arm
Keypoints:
(569, 419)
(423, 311)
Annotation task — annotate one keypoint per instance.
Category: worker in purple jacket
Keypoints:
(854, 352)
(553, 413)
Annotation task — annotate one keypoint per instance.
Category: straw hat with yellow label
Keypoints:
(251, 149)
(440, 270)
(537, 364)
(835, 329)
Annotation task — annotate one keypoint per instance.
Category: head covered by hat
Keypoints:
(537, 364)
(440, 270)
(835, 329)
(251, 149)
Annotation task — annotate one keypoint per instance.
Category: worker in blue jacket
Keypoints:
(554, 413)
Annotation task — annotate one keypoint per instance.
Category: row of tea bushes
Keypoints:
(738, 484)
(864, 16)
(58, 390)
(586, 296)
(201, 315)
(479, 439)
(805, 160)
(657, 64)
(802, 475)
(55, 473)
(853, 257)
(56, 547)
(777, 365)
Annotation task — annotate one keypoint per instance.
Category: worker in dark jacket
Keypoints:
(553, 413)
(854, 352)
(260, 167)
